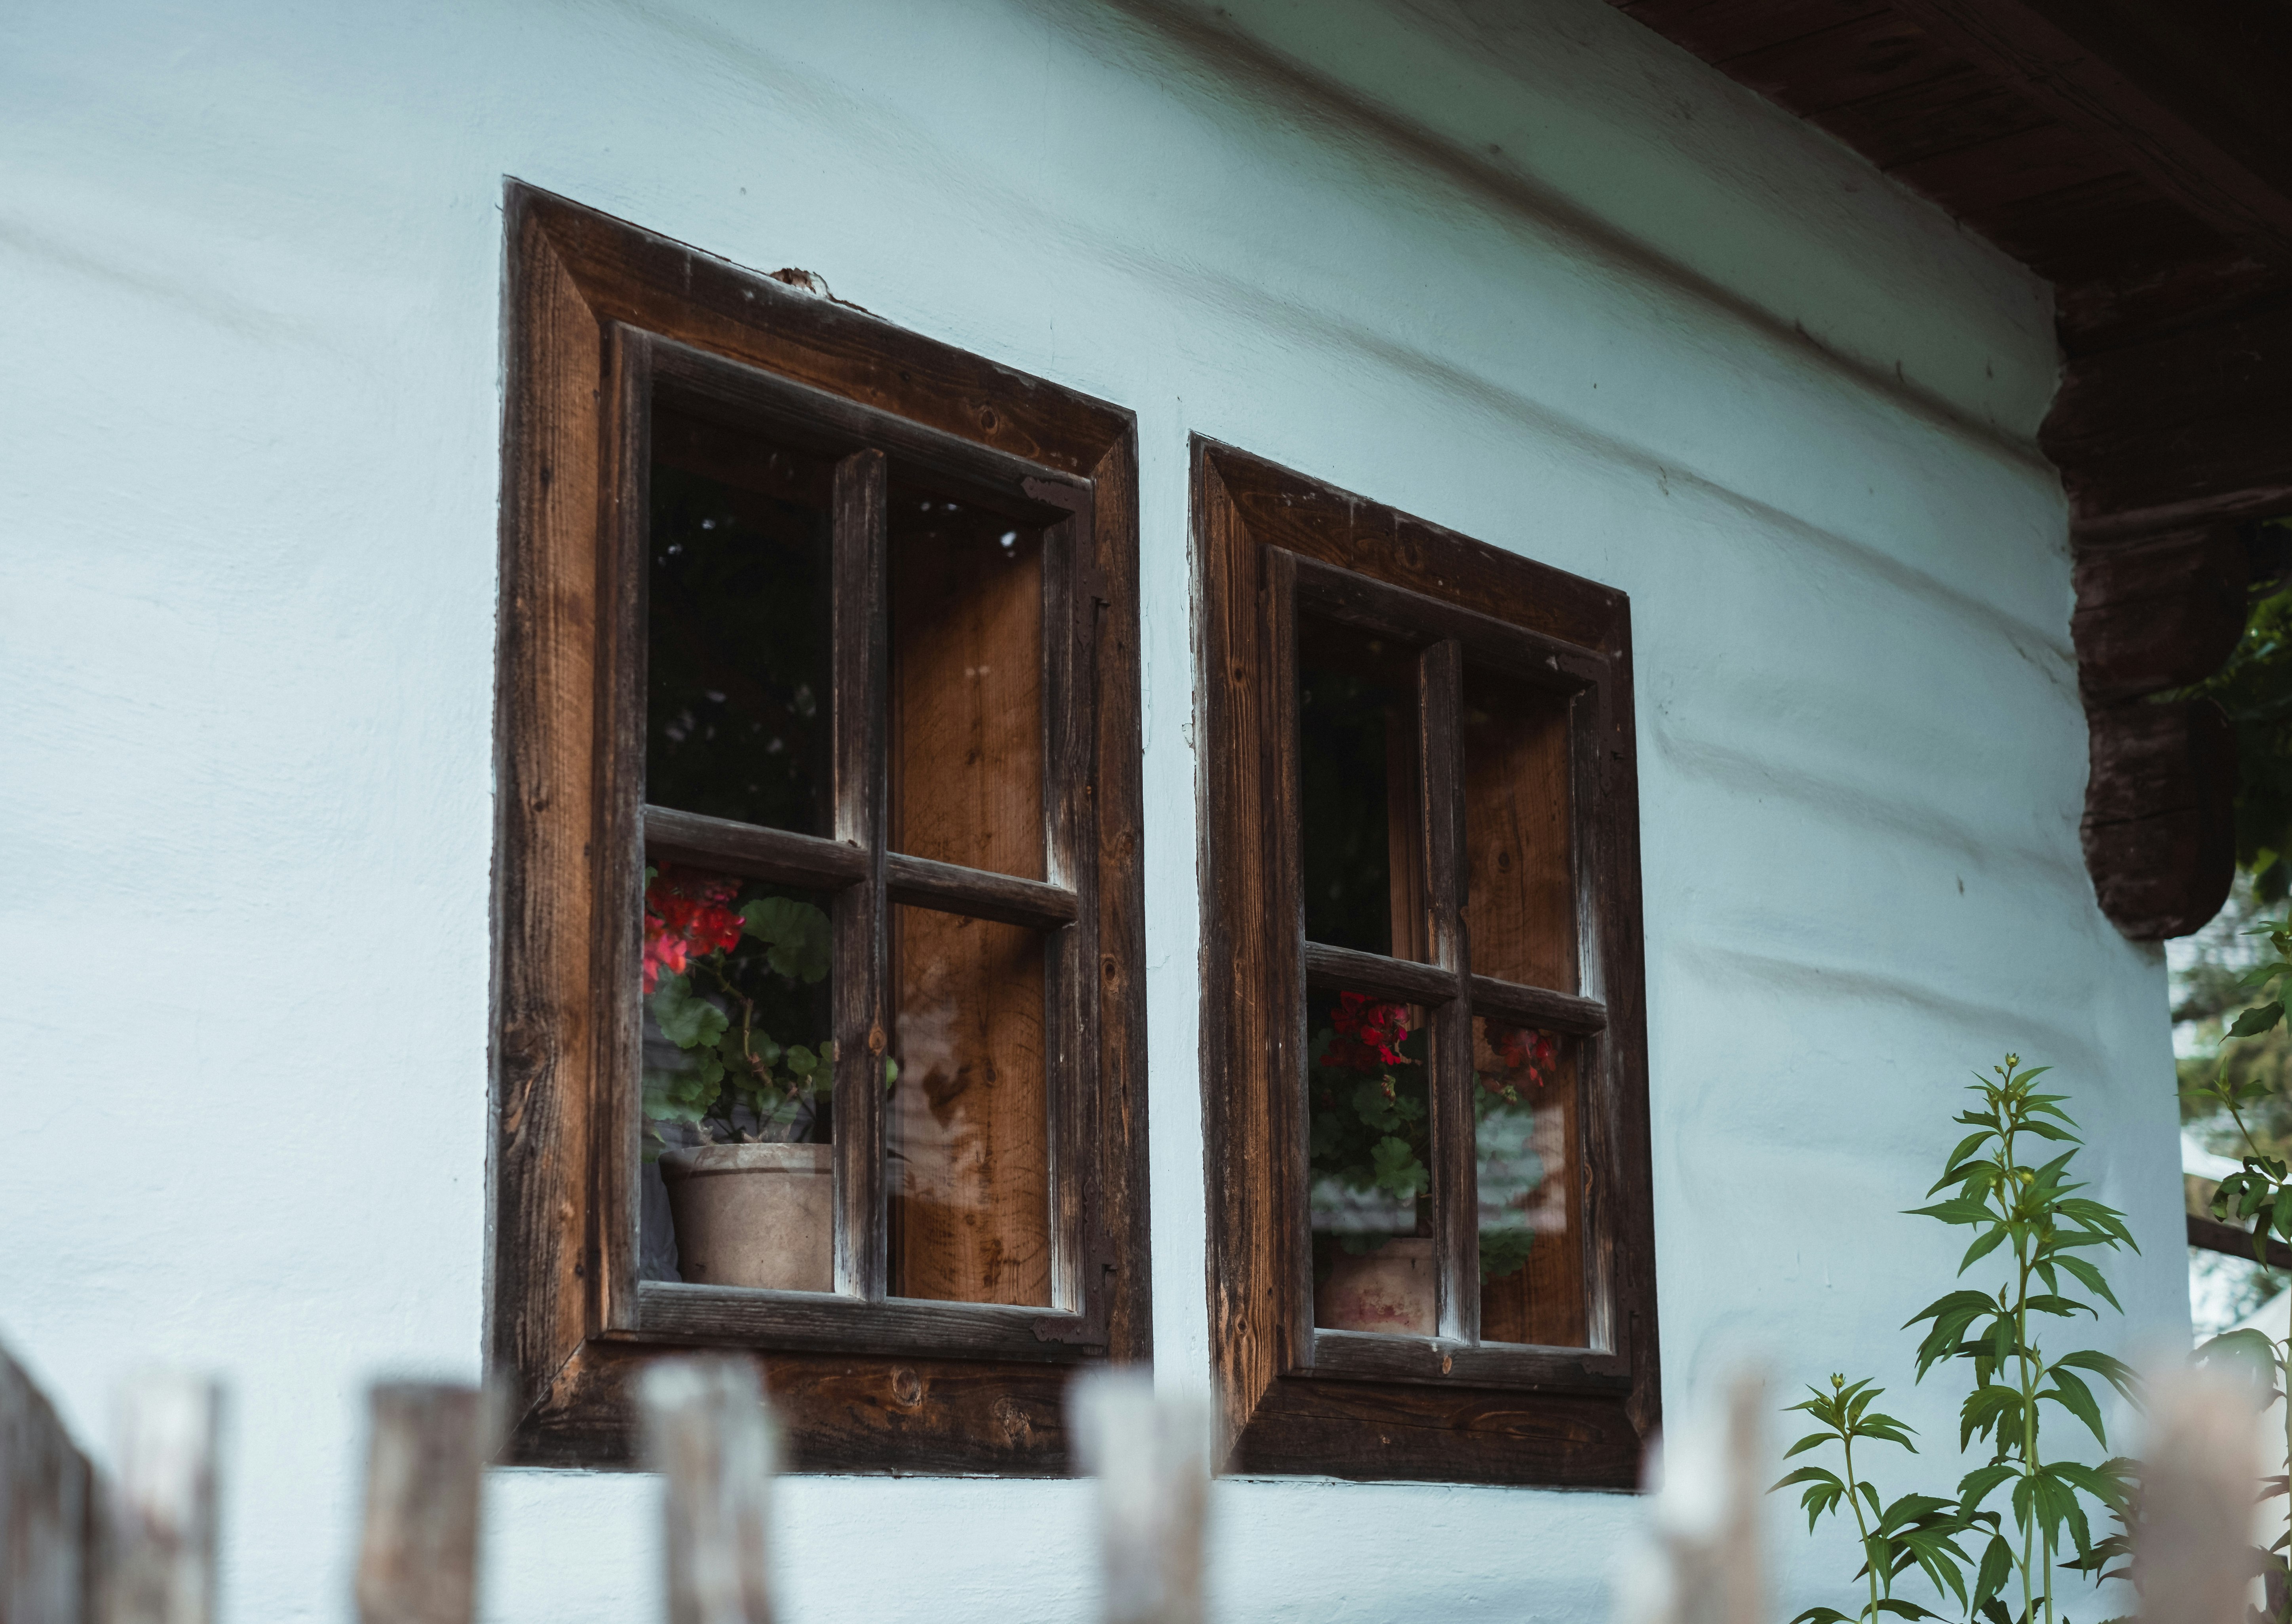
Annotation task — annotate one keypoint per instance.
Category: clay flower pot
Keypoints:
(1389, 1289)
(754, 1214)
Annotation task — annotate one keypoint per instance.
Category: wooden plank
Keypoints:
(844, 1412)
(1447, 1362)
(969, 1128)
(1106, 594)
(2235, 1240)
(665, 286)
(926, 884)
(1518, 848)
(617, 857)
(1538, 1007)
(861, 924)
(1961, 106)
(1343, 969)
(1319, 522)
(426, 1450)
(47, 1503)
(1999, 176)
(676, 1312)
(1853, 59)
(2189, 93)
(1717, 30)
(1416, 618)
(1246, 900)
(1455, 1228)
(544, 735)
(1398, 1433)
(825, 422)
(780, 856)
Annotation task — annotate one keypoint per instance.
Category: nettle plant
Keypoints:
(721, 977)
(1994, 1548)
(1370, 1126)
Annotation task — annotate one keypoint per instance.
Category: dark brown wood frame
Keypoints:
(1446, 1407)
(603, 319)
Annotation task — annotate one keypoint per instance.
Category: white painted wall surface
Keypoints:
(1523, 270)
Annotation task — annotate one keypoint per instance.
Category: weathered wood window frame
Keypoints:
(1295, 1398)
(602, 319)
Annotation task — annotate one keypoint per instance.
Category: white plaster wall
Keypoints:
(1661, 336)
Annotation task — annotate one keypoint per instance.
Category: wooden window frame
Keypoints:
(1446, 1407)
(600, 317)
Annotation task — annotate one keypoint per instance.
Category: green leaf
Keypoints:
(686, 1021)
(795, 935)
(2115, 1371)
(2074, 1396)
(2256, 1020)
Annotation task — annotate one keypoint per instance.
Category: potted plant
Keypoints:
(736, 1116)
(1369, 1135)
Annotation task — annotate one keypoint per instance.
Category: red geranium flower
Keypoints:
(1521, 1048)
(1369, 1034)
(685, 914)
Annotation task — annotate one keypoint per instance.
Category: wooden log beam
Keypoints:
(2159, 827)
(2188, 94)
(2160, 611)
(2190, 427)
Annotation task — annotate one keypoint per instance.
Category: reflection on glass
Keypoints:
(738, 1057)
(968, 1138)
(1522, 903)
(966, 737)
(1357, 790)
(1524, 1156)
(737, 627)
(1368, 1129)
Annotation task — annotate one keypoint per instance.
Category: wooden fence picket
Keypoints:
(425, 1467)
(159, 1522)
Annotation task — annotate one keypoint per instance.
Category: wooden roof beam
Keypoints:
(2189, 92)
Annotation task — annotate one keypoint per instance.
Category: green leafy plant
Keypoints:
(2257, 1196)
(1921, 1528)
(722, 975)
(2033, 1214)
(2027, 1217)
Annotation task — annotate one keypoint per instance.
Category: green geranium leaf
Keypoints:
(795, 936)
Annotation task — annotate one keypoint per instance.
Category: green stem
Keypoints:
(1861, 1523)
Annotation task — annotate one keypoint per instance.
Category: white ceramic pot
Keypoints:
(754, 1214)
(1389, 1289)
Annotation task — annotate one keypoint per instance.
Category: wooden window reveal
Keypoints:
(1423, 1048)
(817, 721)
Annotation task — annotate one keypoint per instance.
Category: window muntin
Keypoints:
(937, 1092)
(1504, 686)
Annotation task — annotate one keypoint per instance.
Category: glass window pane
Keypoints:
(1357, 791)
(968, 1138)
(1371, 1166)
(739, 1052)
(737, 627)
(1522, 904)
(966, 727)
(1525, 1156)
